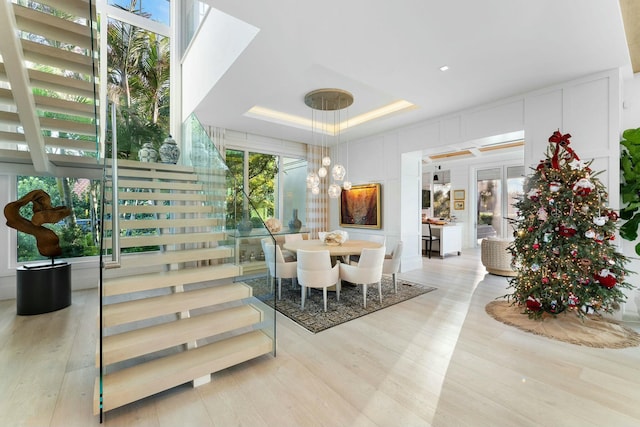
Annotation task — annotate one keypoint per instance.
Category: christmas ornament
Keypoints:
(533, 303)
(567, 230)
(613, 215)
(576, 164)
(584, 263)
(606, 278)
(535, 267)
(534, 194)
(583, 187)
(555, 186)
(542, 214)
(573, 300)
(589, 234)
(600, 220)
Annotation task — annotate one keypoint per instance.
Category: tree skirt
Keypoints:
(591, 331)
(315, 319)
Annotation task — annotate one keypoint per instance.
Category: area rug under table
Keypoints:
(315, 319)
(591, 330)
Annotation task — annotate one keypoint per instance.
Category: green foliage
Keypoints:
(263, 173)
(562, 249)
(630, 185)
(138, 82)
(76, 240)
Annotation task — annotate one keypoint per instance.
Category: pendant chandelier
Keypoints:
(328, 103)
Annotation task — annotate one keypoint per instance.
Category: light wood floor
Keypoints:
(435, 360)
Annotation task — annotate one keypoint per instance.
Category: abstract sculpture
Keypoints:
(46, 240)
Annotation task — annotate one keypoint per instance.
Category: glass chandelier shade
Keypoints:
(313, 180)
(346, 185)
(338, 172)
(334, 191)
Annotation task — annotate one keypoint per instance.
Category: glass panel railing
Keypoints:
(237, 218)
(166, 231)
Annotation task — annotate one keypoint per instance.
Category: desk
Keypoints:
(350, 247)
(450, 237)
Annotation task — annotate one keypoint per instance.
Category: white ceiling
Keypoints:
(383, 51)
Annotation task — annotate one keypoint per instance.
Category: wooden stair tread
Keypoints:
(135, 383)
(163, 279)
(146, 195)
(166, 239)
(147, 308)
(160, 185)
(136, 224)
(128, 345)
(182, 208)
(171, 257)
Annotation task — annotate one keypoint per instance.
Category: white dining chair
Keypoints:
(391, 264)
(378, 238)
(278, 268)
(315, 271)
(367, 271)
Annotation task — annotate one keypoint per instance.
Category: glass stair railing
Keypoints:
(173, 300)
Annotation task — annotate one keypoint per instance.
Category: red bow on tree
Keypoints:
(561, 141)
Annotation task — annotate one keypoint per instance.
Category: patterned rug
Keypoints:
(313, 317)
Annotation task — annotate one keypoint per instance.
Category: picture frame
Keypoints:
(361, 206)
(458, 195)
(458, 205)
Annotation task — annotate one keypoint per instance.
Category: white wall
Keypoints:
(587, 108)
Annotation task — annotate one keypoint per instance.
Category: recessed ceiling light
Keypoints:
(444, 68)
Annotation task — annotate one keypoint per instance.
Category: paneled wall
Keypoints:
(587, 108)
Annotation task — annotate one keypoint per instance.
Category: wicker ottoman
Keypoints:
(496, 258)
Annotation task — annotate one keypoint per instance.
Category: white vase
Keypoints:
(147, 153)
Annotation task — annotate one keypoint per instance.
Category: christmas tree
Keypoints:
(563, 249)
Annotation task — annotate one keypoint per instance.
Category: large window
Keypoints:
(497, 189)
(275, 186)
(78, 233)
(138, 71)
(442, 194)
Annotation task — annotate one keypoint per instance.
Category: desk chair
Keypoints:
(430, 239)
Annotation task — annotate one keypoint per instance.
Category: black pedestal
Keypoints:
(43, 288)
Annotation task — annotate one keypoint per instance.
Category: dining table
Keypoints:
(344, 250)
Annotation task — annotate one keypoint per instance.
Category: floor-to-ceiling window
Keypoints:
(442, 194)
(275, 185)
(496, 189)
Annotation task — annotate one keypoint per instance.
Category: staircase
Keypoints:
(48, 82)
(173, 314)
